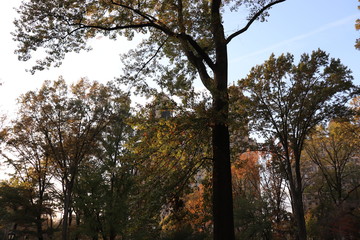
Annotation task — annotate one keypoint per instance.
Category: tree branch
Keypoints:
(84, 26)
(252, 20)
(155, 22)
(189, 39)
(147, 62)
(200, 66)
(199, 50)
(137, 11)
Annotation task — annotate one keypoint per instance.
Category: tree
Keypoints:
(357, 27)
(32, 165)
(190, 34)
(274, 194)
(251, 221)
(67, 124)
(289, 101)
(333, 152)
(105, 183)
(170, 146)
(17, 210)
(102, 204)
(118, 166)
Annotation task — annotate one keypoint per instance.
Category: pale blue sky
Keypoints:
(296, 26)
(299, 26)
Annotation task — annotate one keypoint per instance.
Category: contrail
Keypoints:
(300, 37)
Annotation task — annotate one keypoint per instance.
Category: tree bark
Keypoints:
(67, 205)
(222, 186)
(65, 225)
(39, 227)
(298, 210)
(300, 215)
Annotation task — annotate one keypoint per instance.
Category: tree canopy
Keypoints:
(146, 173)
(289, 101)
(58, 129)
(188, 36)
(332, 173)
(174, 28)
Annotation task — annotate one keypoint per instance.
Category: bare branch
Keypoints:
(200, 66)
(199, 50)
(155, 22)
(252, 20)
(137, 11)
(157, 51)
(133, 26)
(349, 193)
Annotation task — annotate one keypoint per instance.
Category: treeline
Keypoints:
(86, 165)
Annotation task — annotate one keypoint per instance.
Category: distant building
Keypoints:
(162, 107)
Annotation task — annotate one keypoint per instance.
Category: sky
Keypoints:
(295, 26)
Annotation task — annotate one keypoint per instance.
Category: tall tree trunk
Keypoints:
(112, 232)
(67, 203)
(39, 227)
(299, 216)
(222, 185)
(78, 221)
(298, 210)
(51, 227)
(294, 178)
(65, 223)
